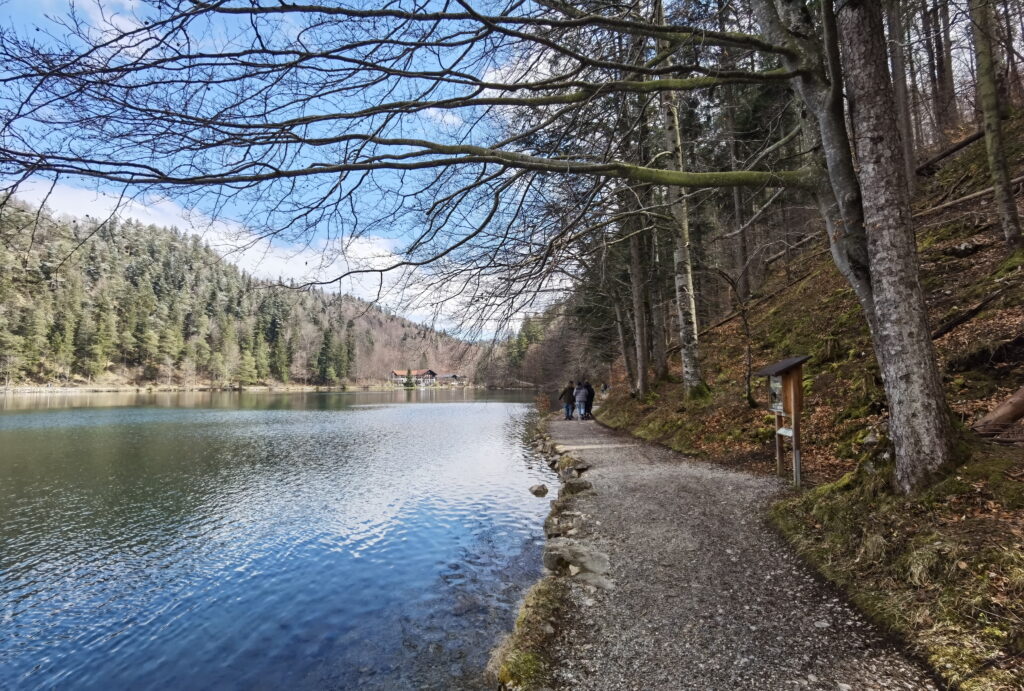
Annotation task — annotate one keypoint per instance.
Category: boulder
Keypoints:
(575, 486)
(539, 490)
(561, 553)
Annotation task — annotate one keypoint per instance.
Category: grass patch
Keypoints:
(521, 661)
(944, 570)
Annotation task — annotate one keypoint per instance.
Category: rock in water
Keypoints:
(539, 490)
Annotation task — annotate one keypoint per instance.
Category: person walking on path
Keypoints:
(568, 399)
(580, 394)
(588, 409)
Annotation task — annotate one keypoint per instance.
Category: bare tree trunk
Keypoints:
(659, 346)
(899, 83)
(920, 421)
(624, 344)
(944, 63)
(637, 284)
(928, 31)
(682, 256)
(988, 96)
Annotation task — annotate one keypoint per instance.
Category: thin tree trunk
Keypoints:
(637, 281)
(899, 83)
(944, 45)
(928, 34)
(988, 96)
(624, 344)
(920, 421)
(659, 335)
(682, 256)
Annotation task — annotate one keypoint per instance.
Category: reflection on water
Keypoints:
(269, 540)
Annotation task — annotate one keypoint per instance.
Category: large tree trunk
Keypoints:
(988, 96)
(920, 421)
(921, 427)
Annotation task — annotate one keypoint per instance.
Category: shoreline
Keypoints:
(521, 659)
(153, 389)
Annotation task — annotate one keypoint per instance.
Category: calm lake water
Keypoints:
(278, 541)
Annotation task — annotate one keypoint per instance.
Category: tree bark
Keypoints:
(944, 64)
(659, 335)
(624, 344)
(637, 282)
(988, 95)
(899, 84)
(920, 421)
(682, 256)
(1010, 410)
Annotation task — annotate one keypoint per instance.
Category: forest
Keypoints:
(119, 303)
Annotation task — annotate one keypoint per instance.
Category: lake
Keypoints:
(260, 540)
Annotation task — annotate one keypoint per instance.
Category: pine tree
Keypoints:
(325, 370)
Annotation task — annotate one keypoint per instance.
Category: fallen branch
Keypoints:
(735, 314)
(779, 255)
(964, 316)
(926, 167)
(961, 200)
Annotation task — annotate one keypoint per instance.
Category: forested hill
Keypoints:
(129, 304)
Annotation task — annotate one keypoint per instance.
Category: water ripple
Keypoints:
(318, 542)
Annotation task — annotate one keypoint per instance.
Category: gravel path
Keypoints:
(706, 596)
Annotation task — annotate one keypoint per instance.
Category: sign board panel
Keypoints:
(775, 394)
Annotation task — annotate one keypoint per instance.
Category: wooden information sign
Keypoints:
(786, 400)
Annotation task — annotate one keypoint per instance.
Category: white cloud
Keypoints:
(443, 116)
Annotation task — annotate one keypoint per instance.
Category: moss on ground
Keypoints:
(521, 661)
(943, 570)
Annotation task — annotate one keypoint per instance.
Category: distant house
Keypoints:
(421, 377)
(449, 378)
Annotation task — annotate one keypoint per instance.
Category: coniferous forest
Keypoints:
(119, 302)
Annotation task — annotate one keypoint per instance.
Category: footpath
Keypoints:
(697, 591)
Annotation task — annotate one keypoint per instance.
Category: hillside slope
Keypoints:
(944, 570)
(123, 304)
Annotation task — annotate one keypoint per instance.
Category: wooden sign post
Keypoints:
(786, 399)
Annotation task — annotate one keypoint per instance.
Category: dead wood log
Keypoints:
(974, 195)
(1009, 411)
(928, 167)
(964, 316)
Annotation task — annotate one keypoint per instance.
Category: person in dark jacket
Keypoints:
(590, 400)
(568, 399)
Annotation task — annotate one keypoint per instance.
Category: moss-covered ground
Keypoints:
(944, 570)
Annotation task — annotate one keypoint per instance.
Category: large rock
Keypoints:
(561, 553)
(575, 486)
(539, 490)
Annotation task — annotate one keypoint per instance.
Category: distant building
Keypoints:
(449, 378)
(420, 377)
